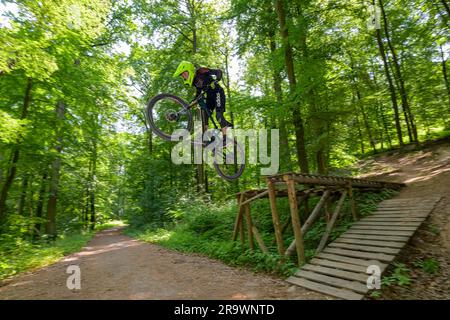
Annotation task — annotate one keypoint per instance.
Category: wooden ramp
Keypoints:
(340, 269)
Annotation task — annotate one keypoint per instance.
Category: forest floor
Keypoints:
(115, 266)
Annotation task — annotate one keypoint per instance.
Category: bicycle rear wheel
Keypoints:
(229, 160)
(167, 113)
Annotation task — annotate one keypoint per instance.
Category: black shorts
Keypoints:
(215, 100)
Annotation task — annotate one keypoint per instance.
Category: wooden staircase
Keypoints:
(340, 270)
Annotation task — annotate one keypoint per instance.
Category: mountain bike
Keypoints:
(167, 112)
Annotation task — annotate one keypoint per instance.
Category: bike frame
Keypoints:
(203, 107)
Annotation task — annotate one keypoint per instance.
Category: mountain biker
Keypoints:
(206, 80)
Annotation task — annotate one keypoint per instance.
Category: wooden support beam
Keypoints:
(249, 226)
(306, 206)
(296, 226)
(284, 227)
(309, 222)
(241, 230)
(259, 240)
(352, 203)
(260, 195)
(331, 223)
(237, 223)
(275, 217)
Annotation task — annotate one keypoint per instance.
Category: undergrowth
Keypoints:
(206, 228)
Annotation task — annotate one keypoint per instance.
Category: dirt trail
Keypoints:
(114, 266)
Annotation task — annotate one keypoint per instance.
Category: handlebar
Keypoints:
(197, 98)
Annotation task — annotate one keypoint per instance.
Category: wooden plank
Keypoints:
(402, 212)
(336, 282)
(259, 240)
(275, 217)
(358, 254)
(242, 232)
(374, 237)
(331, 223)
(394, 208)
(349, 275)
(381, 232)
(238, 221)
(417, 201)
(391, 219)
(260, 195)
(355, 214)
(397, 215)
(356, 261)
(407, 218)
(389, 244)
(378, 227)
(364, 248)
(316, 212)
(405, 223)
(249, 226)
(341, 265)
(329, 290)
(409, 201)
(308, 223)
(296, 226)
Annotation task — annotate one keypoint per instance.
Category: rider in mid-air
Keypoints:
(206, 80)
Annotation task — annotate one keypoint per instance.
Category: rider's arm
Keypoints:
(216, 74)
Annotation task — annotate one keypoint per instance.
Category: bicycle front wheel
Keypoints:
(167, 113)
(229, 161)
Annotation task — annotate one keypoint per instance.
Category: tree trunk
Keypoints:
(93, 181)
(318, 125)
(1, 169)
(379, 126)
(15, 155)
(383, 116)
(200, 167)
(444, 72)
(50, 228)
(23, 195)
(404, 97)
(285, 163)
(391, 87)
(296, 114)
(365, 119)
(361, 138)
(226, 81)
(40, 205)
(446, 6)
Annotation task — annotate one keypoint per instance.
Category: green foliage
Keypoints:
(18, 255)
(433, 229)
(399, 276)
(375, 294)
(428, 265)
(11, 129)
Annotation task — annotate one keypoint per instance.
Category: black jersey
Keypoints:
(204, 77)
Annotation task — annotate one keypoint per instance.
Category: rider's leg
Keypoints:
(217, 100)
